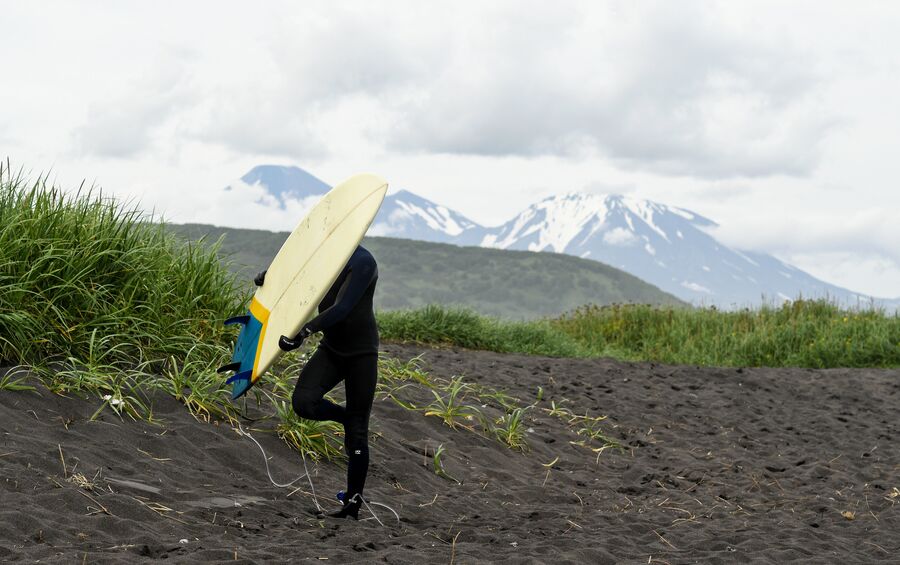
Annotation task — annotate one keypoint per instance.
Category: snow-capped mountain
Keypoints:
(403, 214)
(667, 246)
(409, 216)
(283, 183)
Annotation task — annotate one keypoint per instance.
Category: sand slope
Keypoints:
(722, 466)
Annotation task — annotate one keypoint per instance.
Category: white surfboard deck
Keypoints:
(305, 267)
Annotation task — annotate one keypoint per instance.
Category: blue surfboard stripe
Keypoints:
(240, 384)
(245, 353)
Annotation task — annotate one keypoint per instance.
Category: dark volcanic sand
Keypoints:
(722, 466)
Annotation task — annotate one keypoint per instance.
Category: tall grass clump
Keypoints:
(78, 269)
(97, 297)
(464, 328)
(803, 333)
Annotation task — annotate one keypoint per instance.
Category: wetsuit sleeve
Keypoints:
(360, 276)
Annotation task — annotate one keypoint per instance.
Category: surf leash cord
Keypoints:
(242, 432)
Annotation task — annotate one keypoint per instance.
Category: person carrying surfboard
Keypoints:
(347, 352)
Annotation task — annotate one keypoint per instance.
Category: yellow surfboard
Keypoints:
(304, 269)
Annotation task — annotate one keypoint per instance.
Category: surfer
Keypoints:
(348, 352)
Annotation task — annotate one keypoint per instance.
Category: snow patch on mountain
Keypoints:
(695, 287)
(404, 214)
(619, 236)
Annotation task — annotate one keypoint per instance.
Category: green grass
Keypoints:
(318, 439)
(459, 404)
(436, 325)
(438, 464)
(9, 382)
(805, 333)
(509, 429)
(450, 407)
(75, 269)
(99, 299)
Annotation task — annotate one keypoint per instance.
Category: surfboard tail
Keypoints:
(246, 351)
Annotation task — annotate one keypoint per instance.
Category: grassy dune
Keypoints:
(82, 276)
(98, 299)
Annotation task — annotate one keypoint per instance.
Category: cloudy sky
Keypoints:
(780, 120)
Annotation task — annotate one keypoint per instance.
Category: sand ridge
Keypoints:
(720, 466)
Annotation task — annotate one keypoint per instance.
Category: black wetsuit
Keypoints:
(348, 352)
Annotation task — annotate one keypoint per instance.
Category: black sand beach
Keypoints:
(720, 466)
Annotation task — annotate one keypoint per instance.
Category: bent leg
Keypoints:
(320, 375)
(361, 376)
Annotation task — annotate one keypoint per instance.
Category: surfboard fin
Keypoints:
(239, 377)
(229, 367)
(243, 320)
(241, 382)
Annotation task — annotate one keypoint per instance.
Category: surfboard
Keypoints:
(305, 267)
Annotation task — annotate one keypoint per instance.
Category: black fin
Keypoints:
(237, 320)
(245, 376)
(229, 367)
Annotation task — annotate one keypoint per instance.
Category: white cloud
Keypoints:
(870, 273)
(666, 88)
(777, 120)
(870, 231)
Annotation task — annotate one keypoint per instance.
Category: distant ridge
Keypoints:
(509, 284)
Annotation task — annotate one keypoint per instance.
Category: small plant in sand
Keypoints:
(316, 439)
(590, 429)
(91, 372)
(9, 382)
(558, 411)
(586, 426)
(195, 383)
(510, 430)
(395, 376)
(439, 465)
(502, 400)
(450, 407)
(393, 371)
(123, 396)
(119, 385)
